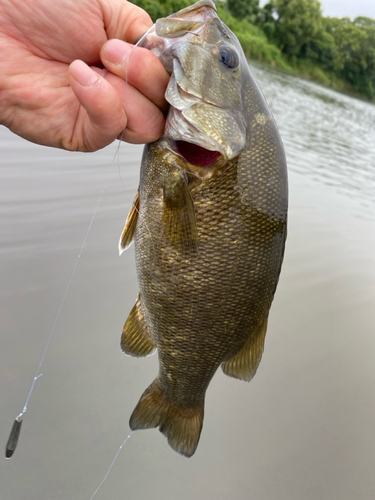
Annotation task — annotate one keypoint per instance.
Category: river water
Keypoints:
(304, 428)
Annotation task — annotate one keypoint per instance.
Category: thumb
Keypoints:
(102, 116)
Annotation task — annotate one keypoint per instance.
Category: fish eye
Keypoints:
(228, 56)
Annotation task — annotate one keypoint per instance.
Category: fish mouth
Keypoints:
(196, 155)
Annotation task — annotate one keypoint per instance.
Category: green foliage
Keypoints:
(341, 49)
(295, 34)
(297, 23)
(242, 9)
(161, 8)
(354, 55)
(252, 38)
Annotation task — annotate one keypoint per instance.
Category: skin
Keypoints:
(66, 79)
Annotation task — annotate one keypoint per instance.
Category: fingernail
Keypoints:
(83, 73)
(116, 51)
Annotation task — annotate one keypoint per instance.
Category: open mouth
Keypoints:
(196, 154)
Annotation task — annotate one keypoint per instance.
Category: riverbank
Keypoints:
(257, 47)
(297, 38)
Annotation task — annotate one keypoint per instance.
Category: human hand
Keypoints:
(82, 107)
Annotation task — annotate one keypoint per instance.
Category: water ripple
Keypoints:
(328, 136)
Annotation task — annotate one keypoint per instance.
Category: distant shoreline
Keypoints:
(296, 37)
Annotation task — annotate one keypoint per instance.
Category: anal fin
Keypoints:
(135, 338)
(127, 234)
(244, 364)
(181, 425)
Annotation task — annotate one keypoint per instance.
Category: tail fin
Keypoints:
(181, 425)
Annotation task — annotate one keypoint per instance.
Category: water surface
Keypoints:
(302, 429)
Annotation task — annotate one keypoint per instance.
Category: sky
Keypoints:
(346, 8)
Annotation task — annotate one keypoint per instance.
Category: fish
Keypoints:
(208, 222)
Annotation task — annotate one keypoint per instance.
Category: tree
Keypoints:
(297, 23)
(242, 9)
(321, 49)
(267, 20)
(354, 57)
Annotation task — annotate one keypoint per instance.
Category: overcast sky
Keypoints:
(342, 8)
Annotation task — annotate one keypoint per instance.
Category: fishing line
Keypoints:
(120, 137)
(152, 240)
(16, 428)
(110, 467)
(139, 41)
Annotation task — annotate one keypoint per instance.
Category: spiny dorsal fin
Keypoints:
(179, 215)
(135, 338)
(244, 364)
(127, 234)
(181, 425)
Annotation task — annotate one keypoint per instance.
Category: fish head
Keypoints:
(206, 123)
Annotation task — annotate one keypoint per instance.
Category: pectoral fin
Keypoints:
(127, 234)
(179, 215)
(244, 364)
(136, 339)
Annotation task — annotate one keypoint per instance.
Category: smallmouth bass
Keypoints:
(208, 222)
